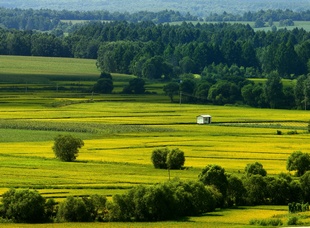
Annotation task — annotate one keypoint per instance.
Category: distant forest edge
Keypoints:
(199, 8)
(47, 19)
(224, 55)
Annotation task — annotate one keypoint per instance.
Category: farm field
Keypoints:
(120, 132)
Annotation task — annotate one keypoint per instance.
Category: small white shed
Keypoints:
(204, 119)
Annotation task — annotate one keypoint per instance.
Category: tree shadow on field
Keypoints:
(211, 215)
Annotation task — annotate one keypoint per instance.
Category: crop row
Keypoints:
(96, 128)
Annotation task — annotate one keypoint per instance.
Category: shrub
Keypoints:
(292, 132)
(292, 221)
(266, 222)
(66, 147)
(23, 206)
(103, 85)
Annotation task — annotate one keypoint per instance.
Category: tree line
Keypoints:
(265, 15)
(225, 55)
(48, 20)
(198, 8)
(174, 199)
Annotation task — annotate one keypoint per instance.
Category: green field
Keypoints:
(297, 24)
(120, 132)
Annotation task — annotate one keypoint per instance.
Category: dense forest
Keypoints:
(225, 55)
(47, 20)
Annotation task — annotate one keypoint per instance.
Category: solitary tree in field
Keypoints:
(104, 85)
(175, 159)
(159, 158)
(66, 147)
(135, 86)
(168, 159)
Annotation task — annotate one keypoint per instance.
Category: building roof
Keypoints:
(204, 116)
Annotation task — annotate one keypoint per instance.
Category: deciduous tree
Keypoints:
(214, 175)
(66, 147)
(24, 206)
(254, 169)
(299, 162)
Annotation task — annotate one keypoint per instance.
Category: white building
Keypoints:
(204, 119)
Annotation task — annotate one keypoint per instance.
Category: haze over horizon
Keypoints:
(195, 7)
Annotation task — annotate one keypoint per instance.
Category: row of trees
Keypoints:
(170, 200)
(47, 19)
(264, 15)
(221, 85)
(26, 206)
(224, 55)
(132, 47)
(255, 187)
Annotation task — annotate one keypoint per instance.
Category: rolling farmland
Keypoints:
(121, 131)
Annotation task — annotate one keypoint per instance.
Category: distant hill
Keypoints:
(199, 8)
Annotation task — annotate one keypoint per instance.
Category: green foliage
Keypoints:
(273, 90)
(298, 161)
(256, 188)
(165, 158)
(159, 158)
(296, 191)
(305, 186)
(255, 168)
(266, 222)
(66, 147)
(105, 75)
(235, 191)
(50, 208)
(23, 206)
(171, 89)
(73, 210)
(103, 85)
(292, 221)
(175, 159)
(214, 175)
(165, 201)
(278, 190)
(136, 86)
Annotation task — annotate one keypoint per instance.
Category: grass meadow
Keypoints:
(120, 132)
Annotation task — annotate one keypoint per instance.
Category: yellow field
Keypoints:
(120, 132)
(119, 153)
